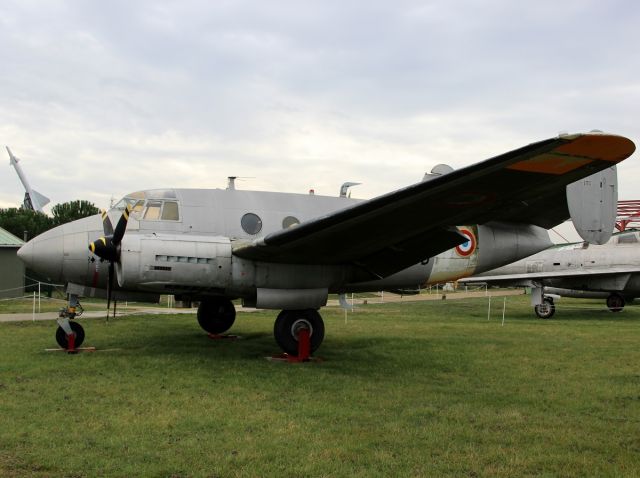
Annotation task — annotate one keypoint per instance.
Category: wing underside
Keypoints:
(401, 228)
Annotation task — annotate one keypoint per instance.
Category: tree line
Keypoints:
(21, 221)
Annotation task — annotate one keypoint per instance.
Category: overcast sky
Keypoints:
(100, 99)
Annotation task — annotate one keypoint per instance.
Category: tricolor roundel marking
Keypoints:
(467, 248)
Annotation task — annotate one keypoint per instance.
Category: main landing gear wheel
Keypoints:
(546, 309)
(216, 315)
(63, 340)
(615, 302)
(289, 324)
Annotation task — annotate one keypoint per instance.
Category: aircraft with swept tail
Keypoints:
(609, 271)
(288, 252)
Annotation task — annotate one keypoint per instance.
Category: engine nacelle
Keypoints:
(172, 263)
(501, 243)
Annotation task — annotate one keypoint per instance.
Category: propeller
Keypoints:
(108, 247)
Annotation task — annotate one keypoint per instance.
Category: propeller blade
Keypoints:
(121, 227)
(106, 223)
(104, 248)
(109, 288)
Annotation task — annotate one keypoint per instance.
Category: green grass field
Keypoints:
(420, 389)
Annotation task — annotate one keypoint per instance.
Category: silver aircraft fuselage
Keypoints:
(181, 241)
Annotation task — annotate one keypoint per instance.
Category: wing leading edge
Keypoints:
(401, 228)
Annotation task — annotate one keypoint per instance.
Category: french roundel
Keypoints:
(467, 248)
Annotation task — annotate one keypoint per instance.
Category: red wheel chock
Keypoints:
(71, 343)
(304, 345)
(304, 351)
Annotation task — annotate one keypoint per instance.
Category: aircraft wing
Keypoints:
(401, 228)
(527, 278)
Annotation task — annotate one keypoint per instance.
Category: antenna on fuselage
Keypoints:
(345, 187)
(231, 181)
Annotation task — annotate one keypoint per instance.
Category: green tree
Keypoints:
(18, 221)
(72, 210)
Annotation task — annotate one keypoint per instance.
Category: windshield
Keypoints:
(153, 205)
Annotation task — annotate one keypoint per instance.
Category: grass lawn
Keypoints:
(25, 305)
(419, 389)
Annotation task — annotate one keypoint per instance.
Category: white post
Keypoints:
(382, 296)
(489, 310)
(38, 296)
(352, 301)
(504, 306)
(33, 314)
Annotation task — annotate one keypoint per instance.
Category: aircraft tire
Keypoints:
(615, 302)
(289, 322)
(216, 316)
(61, 335)
(546, 309)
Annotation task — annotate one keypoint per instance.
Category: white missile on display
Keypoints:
(32, 199)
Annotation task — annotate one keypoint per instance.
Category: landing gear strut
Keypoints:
(289, 326)
(546, 309)
(615, 302)
(216, 315)
(70, 335)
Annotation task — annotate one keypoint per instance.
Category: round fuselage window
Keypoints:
(251, 223)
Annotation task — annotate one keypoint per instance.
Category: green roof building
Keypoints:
(11, 268)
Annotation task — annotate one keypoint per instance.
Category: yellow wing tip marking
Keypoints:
(599, 146)
(550, 164)
(580, 150)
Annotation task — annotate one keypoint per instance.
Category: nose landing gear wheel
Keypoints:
(63, 340)
(546, 309)
(289, 324)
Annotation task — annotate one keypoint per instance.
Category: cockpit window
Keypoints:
(170, 211)
(138, 206)
(153, 205)
(153, 210)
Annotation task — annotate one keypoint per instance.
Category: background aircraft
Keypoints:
(289, 251)
(610, 271)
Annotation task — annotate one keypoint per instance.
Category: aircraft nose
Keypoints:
(25, 253)
(44, 254)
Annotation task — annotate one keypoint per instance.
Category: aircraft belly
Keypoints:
(448, 267)
(633, 285)
(299, 276)
(411, 278)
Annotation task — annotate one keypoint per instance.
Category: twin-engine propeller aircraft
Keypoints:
(289, 251)
(610, 271)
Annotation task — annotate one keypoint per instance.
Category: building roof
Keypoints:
(9, 240)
